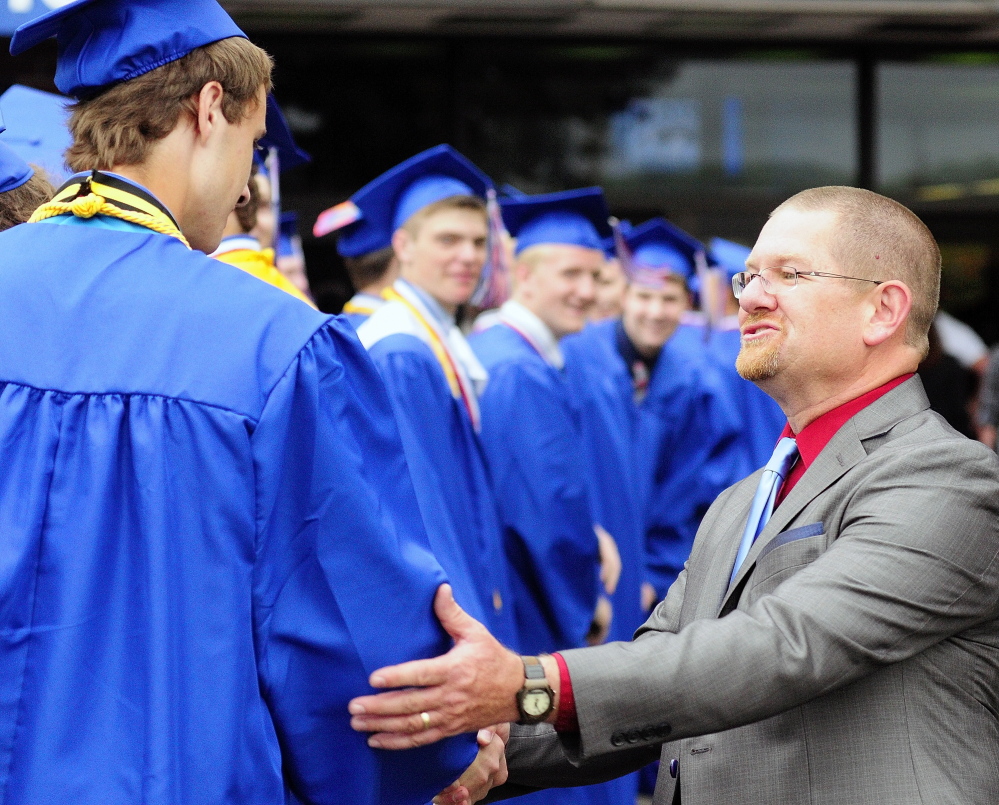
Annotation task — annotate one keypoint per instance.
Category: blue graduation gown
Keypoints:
(452, 484)
(602, 393)
(761, 417)
(531, 438)
(690, 437)
(210, 536)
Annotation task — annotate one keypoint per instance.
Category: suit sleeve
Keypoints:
(344, 577)
(914, 563)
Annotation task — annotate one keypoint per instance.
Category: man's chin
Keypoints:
(756, 363)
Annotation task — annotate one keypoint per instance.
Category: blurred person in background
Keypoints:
(988, 409)
(23, 189)
(564, 564)
(367, 254)
(241, 248)
(432, 208)
(290, 257)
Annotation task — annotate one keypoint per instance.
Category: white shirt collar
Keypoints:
(234, 242)
(536, 331)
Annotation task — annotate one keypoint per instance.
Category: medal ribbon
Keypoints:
(99, 194)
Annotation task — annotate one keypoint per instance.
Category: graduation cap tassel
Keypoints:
(711, 281)
(272, 163)
(494, 284)
(622, 251)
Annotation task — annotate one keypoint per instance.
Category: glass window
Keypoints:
(937, 124)
(648, 126)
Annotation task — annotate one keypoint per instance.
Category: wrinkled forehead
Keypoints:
(794, 236)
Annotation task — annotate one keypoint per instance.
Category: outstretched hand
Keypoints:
(487, 770)
(471, 687)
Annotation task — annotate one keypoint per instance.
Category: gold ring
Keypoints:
(426, 720)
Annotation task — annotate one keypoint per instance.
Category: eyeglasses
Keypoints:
(777, 279)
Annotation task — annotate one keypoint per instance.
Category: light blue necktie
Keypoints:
(780, 463)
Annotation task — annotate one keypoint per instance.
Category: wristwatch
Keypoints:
(536, 699)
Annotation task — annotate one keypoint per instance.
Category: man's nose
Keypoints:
(756, 297)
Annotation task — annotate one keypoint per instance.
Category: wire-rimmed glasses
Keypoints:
(781, 277)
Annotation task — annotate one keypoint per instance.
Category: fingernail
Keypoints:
(374, 743)
(485, 735)
(355, 709)
(378, 682)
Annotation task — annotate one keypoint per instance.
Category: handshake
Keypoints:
(473, 687)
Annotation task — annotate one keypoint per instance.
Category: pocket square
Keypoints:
(784, 537)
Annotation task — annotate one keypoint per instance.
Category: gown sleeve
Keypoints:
(344, 577)
(422, 404)
(533, 446)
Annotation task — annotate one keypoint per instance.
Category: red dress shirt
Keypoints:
(811, 441)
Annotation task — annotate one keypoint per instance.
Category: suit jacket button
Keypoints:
(617, 739)
(631, 737)
(674, 768)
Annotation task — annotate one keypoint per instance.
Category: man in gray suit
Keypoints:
(852, 655)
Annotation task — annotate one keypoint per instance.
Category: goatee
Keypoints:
(759, 359)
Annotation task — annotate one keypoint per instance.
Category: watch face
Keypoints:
(536, 702)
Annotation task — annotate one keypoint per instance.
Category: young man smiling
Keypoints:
(664, 415)
(432, 208)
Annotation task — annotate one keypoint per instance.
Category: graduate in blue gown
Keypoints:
(22, 189)
(433, 206)
(534, 440)
(688, 427)
(210, 533)
(762, 419)
(530, 428)
(37, 128)
(366, 250)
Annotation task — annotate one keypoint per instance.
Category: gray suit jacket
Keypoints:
(855, 658)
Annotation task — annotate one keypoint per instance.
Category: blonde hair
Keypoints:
(415, 221)
(119, 126)
(878, 238)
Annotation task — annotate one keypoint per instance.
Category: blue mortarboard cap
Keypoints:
(728, 255)
(383, 205)
(38, 130)
(102, 42)
(280, 138)
(14, 171)
(660, 246)
(509, 191)
(570, 218)
(287, 229)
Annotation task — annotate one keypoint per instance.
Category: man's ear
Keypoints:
(889, 308)
(209, 108)
(402, 245)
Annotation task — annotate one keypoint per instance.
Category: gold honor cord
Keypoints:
(350, 307)
(439, 350)
(104, 195)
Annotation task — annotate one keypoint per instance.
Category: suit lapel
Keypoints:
(844, 451)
